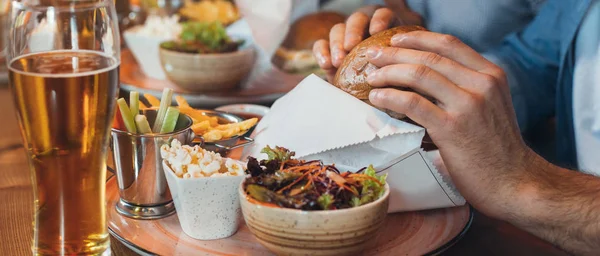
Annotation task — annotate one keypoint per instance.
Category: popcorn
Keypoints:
(167, 27)
(195, 162)
(234, 167)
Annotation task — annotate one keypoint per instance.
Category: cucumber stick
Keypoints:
(126, 115)
(165, 103)
(142, 124)
(170, 120)
(134, 103)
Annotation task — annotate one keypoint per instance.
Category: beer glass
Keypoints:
(63, 61)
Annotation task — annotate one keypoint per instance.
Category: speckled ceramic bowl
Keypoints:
(207, 208)
(296, 232)
(207, 72)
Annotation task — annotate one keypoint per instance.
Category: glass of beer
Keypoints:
(63, 59)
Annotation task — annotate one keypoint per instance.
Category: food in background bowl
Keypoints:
(204, 58)
(210, 10)
(202, 37)
(295, 54)
(351, 76)
(297, 207)
(204, 189)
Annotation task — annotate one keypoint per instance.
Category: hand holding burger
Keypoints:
(367, 21)
(352, 74)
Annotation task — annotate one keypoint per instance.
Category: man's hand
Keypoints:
(473, 124)
(360, 25)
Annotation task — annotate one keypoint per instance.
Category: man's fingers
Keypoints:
(382, 19)
(336, 44)
(322, 53)
(413, 105)
(454, 71)
(445, 45)
(356, 26)
(420, 78)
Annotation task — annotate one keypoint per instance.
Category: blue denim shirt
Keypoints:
(539, 63)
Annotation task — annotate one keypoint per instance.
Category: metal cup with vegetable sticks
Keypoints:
(142, 184)
(143, 189)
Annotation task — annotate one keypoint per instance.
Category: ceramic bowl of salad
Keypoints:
(204, 58)
(296, 207)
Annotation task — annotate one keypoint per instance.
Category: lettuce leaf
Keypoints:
(325, 201)
(277, 153)
(371, 190)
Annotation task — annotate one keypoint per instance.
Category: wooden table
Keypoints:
(486, 236)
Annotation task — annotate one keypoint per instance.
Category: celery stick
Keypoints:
(170, 120)
(134, 103)
(165, 102)
(142, 124)
(126, 115)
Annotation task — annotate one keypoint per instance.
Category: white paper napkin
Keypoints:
(316, 116)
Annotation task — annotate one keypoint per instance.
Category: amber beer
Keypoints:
(65, 102)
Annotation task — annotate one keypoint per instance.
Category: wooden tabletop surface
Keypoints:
(485, 237)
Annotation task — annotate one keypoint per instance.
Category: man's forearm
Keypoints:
(558, 205)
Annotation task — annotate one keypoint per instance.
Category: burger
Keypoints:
(351, 76)
(295, 53)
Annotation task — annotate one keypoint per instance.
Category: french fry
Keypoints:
(153, 101)
(214, 121)
(181, 102)
(249, 123)
(201, 127)
(142, 105)
(212, 135)
(235, 130)
(199, 116)
(244, 125)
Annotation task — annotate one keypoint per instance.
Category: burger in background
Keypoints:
(295, 53)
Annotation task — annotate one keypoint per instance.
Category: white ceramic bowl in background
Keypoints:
(145, 49)
(208, 208)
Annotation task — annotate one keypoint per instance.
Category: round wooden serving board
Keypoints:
(265, 89)
(411, 233)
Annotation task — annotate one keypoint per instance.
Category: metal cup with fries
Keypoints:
(220, 131)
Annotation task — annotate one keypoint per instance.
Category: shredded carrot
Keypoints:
(321, 171)
(300, 168)
(310, 180)
(254, 201)
(347, 188)
(281, 166)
